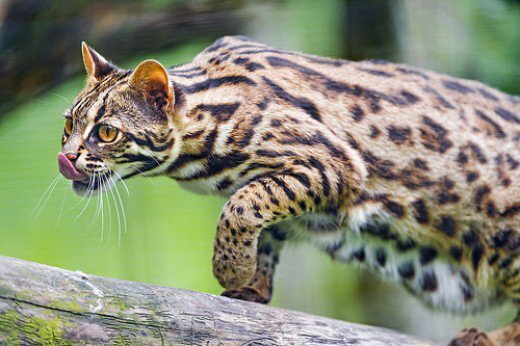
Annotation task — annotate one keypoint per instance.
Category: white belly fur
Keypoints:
(341, 243)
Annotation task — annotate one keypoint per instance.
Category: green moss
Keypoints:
(67, 306)
(122, 340)
(46, 330)
(117, 303)
(8, 322)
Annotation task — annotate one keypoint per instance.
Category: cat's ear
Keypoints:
(97, 67)
(151, 78)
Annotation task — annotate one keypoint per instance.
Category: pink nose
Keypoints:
(66, 166)
(72, 157)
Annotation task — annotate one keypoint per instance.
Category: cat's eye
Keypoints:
(68, 126)
(107, 133)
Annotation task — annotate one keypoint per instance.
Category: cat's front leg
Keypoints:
(250, 210)
(260, 288)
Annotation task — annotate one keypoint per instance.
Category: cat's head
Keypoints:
(123, 123)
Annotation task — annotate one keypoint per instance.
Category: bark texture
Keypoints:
(46, 305)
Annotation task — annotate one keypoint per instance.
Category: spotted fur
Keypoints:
(408, 172)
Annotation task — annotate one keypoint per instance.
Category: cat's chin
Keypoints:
(81, 189)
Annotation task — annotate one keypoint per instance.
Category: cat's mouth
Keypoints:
(82, 182)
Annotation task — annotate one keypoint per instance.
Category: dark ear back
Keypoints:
(97, 67)
(151, 78)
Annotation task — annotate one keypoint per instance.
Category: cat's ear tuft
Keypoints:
(151, 78)
(97, 67)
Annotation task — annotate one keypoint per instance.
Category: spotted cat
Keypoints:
(411, 173)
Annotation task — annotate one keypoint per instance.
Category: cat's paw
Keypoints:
(233, 273)
(471, 337)
(247, 293)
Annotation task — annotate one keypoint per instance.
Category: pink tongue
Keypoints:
(69, 171)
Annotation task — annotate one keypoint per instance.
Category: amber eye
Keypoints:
(107, 133)
(68, 126)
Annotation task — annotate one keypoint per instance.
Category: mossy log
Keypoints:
(46, 305)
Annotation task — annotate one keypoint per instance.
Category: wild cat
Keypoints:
(412, 173)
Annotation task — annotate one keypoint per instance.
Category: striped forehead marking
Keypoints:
(95, 92)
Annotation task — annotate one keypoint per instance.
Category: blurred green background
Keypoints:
(169, 234)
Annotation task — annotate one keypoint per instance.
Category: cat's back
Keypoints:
(450, 143)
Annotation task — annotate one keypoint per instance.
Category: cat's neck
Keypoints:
(195, 126)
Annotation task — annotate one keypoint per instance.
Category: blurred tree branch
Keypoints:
(45, 305)
(40, 39)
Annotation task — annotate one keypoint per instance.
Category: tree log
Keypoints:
(46, 305)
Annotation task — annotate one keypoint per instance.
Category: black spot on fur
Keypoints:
(487, 94)
(381, 257)
(497, 129)
(421, 164)
(359, 254)
(398, 135)
(493, 258)
(476, 255)
(429, 281)
(507, 115)
(503, 238)
(468, 292)
(374, 131)
(262, 105)
(420, 212)
(357, 113)
(406, 270)
(276, 233)
(427, 254)
(447, 225)
(435, 136)
(394, 208)
(480, 194)
(470, 237)
(455, 252)
(456, 86)
(472, 176)
(375, 72)
(405, 245)
(224, 184)
(265, 248)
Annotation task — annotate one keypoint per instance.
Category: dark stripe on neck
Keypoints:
(211, 83)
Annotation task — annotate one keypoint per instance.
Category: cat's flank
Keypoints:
(411, 173)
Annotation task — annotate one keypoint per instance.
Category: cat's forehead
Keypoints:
(103, 98)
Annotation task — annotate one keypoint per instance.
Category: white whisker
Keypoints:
(117, 212)
(52, 187)
(61, 210)
(150, 155)
(107, 188)
(85, 206)
(153, 182)
(44, 194)
(122, 181)
(97, 210)
(89, 187)
(102, 211)
(122, 210)
(62, 97)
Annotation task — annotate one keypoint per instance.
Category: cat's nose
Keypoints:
(72, 157)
